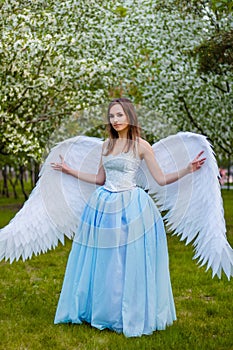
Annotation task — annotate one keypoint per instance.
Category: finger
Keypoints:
(55, 165)
(199, 154)
(199, 160)
(198, 163)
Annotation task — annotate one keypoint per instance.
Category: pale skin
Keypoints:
(120, 123)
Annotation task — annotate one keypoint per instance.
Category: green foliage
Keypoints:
(121, 11)
(216, 54)
(50, 68)
(60, 57)
(222, 5)
(198, 6)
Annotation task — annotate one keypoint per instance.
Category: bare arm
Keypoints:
(98, 178)
(146, 153)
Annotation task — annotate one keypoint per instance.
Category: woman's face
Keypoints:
(118, 119)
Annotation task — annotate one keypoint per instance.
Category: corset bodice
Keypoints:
(121, 171)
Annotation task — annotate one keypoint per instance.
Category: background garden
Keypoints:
(61, 63)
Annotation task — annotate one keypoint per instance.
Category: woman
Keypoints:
(117, 275)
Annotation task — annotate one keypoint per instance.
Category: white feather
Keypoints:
(194, 203)
(54, 206)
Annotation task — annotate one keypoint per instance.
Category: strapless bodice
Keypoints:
(121, 171)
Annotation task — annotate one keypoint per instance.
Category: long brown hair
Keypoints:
(133, 131)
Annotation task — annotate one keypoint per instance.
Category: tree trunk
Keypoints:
(21, 174)
(13, 181)
(31, 176)
(36, 172)
(5, 189)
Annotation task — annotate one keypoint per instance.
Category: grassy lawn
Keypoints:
(29, 294)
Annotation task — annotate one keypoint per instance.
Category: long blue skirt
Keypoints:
(117, 275)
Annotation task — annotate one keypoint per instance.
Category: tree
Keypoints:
(52, 65)
(161, 72)
(215, 65)
(168, 77)
(59, 57)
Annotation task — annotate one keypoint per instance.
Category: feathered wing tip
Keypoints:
(27, 234)
(55, 204)
(194, 204)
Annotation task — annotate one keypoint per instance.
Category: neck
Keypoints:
(123, 134)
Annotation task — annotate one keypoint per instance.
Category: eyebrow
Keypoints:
(116, 113)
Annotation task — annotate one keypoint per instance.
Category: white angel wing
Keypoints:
(194, 203)
(55, 204)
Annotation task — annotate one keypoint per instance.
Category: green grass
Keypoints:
(29, 293)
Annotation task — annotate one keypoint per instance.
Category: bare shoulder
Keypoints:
(105, 146)
(144, 148)
(143, 143)
(105, 143)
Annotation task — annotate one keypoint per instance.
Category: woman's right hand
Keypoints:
(62, 166)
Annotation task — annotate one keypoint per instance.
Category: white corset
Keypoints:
(120, 171)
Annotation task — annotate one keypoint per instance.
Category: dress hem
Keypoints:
(118, 330)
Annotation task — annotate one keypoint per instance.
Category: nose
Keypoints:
(115, 119)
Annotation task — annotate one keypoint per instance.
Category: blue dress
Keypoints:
(117, 275)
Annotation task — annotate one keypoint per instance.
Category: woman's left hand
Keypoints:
(197, 163)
